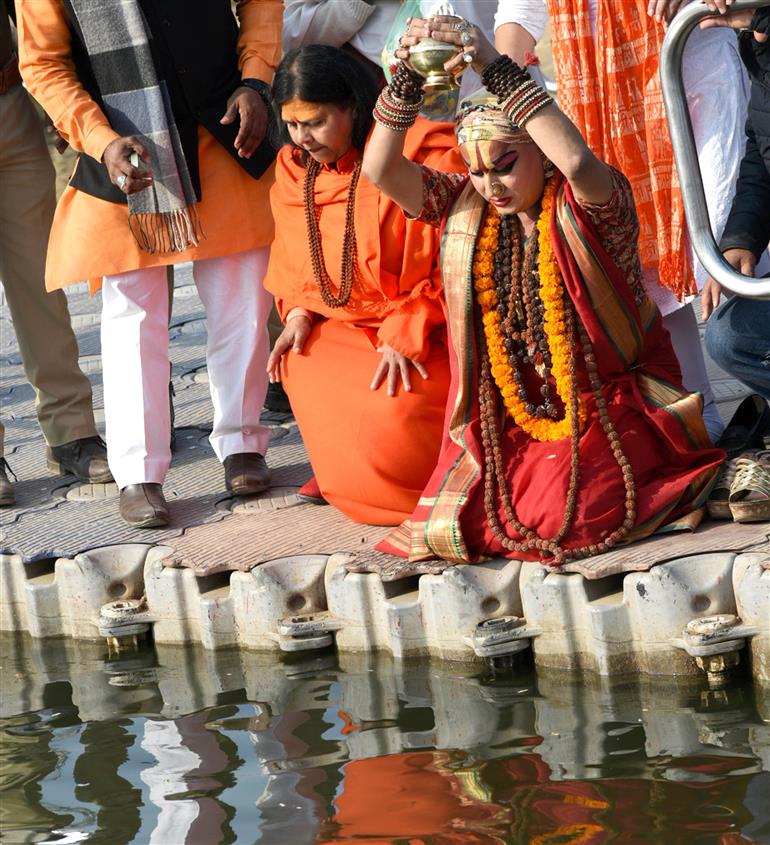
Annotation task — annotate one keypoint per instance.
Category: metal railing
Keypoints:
(686, 156)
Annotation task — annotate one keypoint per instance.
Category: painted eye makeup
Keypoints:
(505, 163)
(502, 165)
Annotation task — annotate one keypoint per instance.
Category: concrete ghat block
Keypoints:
(624, 623)
(13, 603)
(287, 587)
(232, 608)
(423, 615)
(751, 584)
(188, 609)
(454, 602)
(63, 597)
(85, 584)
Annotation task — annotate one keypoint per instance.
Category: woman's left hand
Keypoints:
(473, 47)
(393, 365)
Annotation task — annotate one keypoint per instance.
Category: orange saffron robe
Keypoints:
(371, 453)
(90, 237)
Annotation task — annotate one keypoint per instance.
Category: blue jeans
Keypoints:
(738, 339)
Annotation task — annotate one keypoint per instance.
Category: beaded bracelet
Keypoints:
(406, 85)
(394, 113)
(503, 75)
(521, 98)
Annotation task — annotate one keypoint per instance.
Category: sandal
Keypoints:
(718, 504)
(749, 499)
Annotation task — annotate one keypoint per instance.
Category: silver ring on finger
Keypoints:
(462, 26)
(121, 181)
(466, 37)
(467, 58)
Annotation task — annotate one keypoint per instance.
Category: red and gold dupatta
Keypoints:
(609, 86)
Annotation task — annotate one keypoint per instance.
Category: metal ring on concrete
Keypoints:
(686, 156)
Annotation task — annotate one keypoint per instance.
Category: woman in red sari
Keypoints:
(568, 430)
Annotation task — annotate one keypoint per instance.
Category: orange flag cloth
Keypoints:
(609, 86)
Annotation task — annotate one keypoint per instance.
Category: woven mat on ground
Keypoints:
(243, 540)
(709, 537)
(280, 527)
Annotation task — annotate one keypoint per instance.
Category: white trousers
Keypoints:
(135, 362)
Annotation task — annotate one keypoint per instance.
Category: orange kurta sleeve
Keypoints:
(259, 41)
(50, 76)
(418, 310)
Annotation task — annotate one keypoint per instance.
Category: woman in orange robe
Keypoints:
(363, 356)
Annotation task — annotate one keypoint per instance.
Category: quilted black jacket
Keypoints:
(748, 226)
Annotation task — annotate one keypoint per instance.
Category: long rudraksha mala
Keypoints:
(521, 313)
(513, 334)
(348, 268)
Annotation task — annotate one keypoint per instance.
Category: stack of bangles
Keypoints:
(521, 98)
(400, 102)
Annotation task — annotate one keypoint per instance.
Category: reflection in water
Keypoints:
(188, 747)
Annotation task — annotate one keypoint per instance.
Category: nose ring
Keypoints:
(497, 189)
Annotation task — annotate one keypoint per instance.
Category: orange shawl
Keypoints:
(609, 86)
(397, 296)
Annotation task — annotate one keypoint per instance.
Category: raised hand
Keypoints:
(473, 48)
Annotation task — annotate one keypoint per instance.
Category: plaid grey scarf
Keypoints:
(163, 217)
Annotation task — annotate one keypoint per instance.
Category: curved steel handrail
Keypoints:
(686, 156)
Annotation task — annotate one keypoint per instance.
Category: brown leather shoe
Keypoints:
(86, 459)
(7, 497)
(144, 506)
(246, 473)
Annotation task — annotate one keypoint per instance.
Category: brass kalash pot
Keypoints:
(428, 57)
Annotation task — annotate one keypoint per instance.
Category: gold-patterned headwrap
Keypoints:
(484, 130)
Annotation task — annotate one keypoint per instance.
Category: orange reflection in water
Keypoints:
(436, 798)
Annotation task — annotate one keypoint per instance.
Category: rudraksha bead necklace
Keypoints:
(349, 268)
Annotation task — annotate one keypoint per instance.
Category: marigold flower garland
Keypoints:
(552, 295)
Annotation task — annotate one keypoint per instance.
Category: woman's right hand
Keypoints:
(293, 338)
(470, 42)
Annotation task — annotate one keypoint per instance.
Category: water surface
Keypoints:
(181, 746)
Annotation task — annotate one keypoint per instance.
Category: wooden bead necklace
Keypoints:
(349, 268)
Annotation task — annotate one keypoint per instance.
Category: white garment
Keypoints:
(532, 15)
(682, 326)
(717, 89)
(366, 26)
(135, 361)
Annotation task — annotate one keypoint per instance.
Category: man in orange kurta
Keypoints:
(212, 73)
